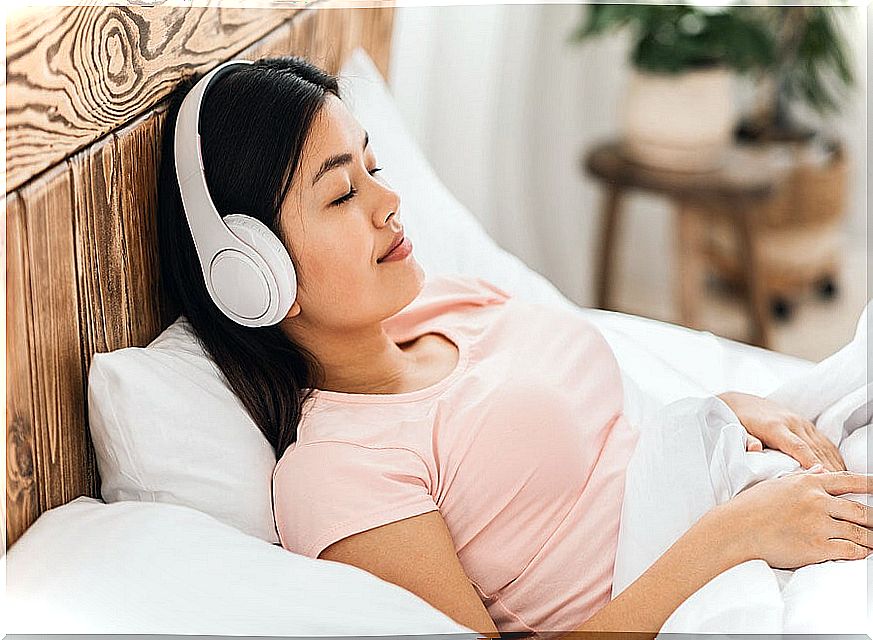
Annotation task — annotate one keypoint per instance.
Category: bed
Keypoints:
(88, 544)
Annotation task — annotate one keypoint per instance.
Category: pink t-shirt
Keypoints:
(522, 448)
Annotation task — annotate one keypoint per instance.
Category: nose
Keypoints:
(388, 210)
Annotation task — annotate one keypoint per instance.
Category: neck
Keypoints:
(363, 360)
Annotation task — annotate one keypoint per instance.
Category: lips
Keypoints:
(398, 239)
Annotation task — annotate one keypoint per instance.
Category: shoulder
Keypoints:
(327, 490)
(334, 461)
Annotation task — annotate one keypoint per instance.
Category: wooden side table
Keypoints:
(733, 190)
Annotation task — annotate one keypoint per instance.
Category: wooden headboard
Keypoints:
(87, 89)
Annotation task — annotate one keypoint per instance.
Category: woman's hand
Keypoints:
(789, 522)
(800, 519)
(774, 426)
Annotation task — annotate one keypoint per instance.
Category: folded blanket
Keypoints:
(692, 456)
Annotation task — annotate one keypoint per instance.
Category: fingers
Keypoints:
(753, 443)
(797, 448)
(831, 455)
(834, 453)
(850, 511)
(840, 529)
(840, 482)
(827, 451)
(839, 549)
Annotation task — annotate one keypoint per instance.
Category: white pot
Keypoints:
(682, 122)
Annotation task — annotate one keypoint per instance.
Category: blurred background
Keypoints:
(709, 129)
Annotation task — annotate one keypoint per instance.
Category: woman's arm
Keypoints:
(706, 550)
(419, 555)
(789, 522)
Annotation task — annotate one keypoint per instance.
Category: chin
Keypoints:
(420, 276)
(412, 281)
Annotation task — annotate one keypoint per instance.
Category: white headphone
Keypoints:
(247, 269)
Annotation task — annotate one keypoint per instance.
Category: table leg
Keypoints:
(749, 260)
(609, 232)
(688, 264)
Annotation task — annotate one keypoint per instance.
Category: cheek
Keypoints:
(338, 267)
(344, 254)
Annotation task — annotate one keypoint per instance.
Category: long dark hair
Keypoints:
(254, 122)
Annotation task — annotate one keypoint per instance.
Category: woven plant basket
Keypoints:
(799, 228)
(810, 196)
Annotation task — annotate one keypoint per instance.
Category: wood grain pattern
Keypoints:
(100, 249)
(137, 152)
(334, 32)
(377, 38)
(329, 27)
(45, 351)
(82, 269)
(22, 500)
(115, 187)
(73, 74)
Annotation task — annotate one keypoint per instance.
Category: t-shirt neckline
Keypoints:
(408, 396)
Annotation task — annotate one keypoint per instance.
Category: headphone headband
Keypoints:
(207, 227)
(246, 268)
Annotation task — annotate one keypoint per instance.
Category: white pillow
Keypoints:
(89, 567)
(167, 428)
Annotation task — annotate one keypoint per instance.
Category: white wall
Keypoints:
(503, 107)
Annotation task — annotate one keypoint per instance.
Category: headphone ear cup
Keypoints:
(259, 237)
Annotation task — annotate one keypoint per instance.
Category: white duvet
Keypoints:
(691, 456)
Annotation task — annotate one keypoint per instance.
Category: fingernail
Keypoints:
(816, 468)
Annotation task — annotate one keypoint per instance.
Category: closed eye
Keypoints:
(345, 198)
(352, 191)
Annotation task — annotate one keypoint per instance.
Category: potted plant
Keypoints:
(811, 66)
(679, 112)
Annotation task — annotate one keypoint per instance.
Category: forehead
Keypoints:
(334, 130)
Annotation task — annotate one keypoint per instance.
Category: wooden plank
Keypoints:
(115, 221)
(22, 499)
(355, 24)
(302, 37)
(338, 29)
(377, 39)
(60, 416)
(73, 74)
(60, 439)
(138, 153)
(329, 28)
(276, 43)
(295, 37)
(99, 245)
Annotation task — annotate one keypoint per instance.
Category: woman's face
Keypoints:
(336, 237)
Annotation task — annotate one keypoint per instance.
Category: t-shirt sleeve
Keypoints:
(326, 491)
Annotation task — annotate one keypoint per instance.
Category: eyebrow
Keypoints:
(337, 161)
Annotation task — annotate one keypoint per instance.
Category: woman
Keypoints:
(458, 442)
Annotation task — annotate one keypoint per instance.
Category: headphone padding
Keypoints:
(259, 237)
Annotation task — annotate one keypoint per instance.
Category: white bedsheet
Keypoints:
(691, 456)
